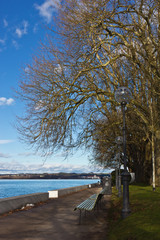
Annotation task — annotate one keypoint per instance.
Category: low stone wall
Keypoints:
(61, 192)
(12, 203)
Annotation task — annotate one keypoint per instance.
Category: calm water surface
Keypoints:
(10, 187)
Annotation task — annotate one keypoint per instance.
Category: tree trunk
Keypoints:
(157, 155)
(153, 164)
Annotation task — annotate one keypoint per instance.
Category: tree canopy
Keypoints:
(70, 85)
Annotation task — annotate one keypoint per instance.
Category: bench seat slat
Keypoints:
(88, 204)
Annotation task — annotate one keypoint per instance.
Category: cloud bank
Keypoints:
(17, 167)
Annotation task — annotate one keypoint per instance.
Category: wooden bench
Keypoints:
(89, 204)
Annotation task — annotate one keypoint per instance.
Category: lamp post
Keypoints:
(123, 96)
(119, 141)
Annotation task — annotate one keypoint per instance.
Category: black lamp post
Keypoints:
(123, 96)
(119, 141)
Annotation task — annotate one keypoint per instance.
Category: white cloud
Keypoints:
(26, 154)
(58, 69)
(15, 44)
(5, 22)
(6, 141)
(2, 41)
(2, 155)
(39, 105)
(20, 31)
(2, 44)
(47, 9)
(5, 101)
(26, 69)
(35, 28)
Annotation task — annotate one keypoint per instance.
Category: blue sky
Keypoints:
(21, 29)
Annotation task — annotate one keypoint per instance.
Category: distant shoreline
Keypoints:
(54, 176)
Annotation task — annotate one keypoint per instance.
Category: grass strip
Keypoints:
(144, 220)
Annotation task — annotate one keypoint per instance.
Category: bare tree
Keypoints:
(69, 87)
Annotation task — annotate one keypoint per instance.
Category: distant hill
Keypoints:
(60, 175)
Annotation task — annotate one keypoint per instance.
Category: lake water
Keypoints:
(11, 188)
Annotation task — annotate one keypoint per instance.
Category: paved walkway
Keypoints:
(56, 220)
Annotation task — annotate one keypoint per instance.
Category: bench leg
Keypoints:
(80, 216)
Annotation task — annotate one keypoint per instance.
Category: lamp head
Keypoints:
(119, 140)
(123, 95)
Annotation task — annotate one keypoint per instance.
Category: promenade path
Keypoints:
(56, 220)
